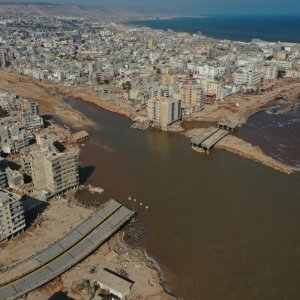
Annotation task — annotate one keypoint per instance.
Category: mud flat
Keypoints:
(241, 147)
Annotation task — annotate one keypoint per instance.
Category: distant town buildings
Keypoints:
(132, 66)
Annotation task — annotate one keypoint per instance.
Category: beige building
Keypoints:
(192, 98)
(54, 172)
(168, 79)
(211, 86)
(292, 73)
(11, 215)
(163, 111)
(281, 55)
(271, 73)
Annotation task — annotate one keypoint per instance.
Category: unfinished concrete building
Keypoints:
(55, 172)
(11, 215)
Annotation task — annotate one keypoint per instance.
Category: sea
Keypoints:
(285, 28)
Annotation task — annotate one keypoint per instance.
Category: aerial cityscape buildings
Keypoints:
(158, 78)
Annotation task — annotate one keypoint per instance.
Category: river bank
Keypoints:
(17, 255)
(286, 89)
(242, 148)
(68, 213)
(210, 208)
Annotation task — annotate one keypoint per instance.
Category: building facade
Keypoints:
(11, 215)
(163, 111)
(192, 98)
(54, 172)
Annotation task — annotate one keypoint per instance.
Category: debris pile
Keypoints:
(135, 231)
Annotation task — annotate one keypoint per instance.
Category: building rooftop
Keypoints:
(113, 280)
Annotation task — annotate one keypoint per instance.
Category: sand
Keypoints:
(248, 105)
(48, 104)
(59, 218)
(116, 256)
(238, 146)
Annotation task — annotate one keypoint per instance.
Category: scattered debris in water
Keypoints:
(135, 231)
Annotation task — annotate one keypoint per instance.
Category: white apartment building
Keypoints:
(247, 77)
(11, 214)
(282, 64)
(163, 111)
(210, 71)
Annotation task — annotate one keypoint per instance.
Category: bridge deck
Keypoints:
(212, 140)
(68, 258)
(196, 141)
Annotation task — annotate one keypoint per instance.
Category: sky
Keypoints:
(198, 6)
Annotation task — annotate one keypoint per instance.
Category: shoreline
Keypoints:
(244, 149)
(152, 262)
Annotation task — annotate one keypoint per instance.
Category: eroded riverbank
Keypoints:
(206, 213)
(248, 106)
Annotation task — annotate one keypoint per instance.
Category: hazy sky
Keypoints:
(199, 6)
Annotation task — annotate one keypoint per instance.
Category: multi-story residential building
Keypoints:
(168, 79)
(29, 106)
(291, 73)
(212, 87)
(54, 172)
(248, 77)
(3, 175)
(282, 64)
(162, 91)
(3, 58)
(271, 73)
(11, 215)
(192, 97)
(12, 139)
(31, 121)
(163, 111)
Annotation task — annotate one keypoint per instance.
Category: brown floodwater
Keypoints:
(221, 226)
(278, 134)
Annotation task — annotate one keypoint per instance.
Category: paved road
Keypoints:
(58, 259)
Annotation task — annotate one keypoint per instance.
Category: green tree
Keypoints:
(3, 112)
(126, 86)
